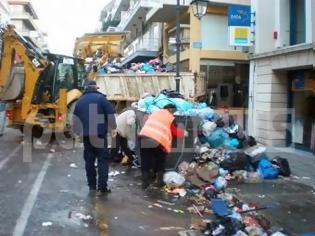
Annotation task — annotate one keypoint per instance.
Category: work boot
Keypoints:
(145, 180)
(159, 182)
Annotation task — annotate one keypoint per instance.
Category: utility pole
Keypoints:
(178, 43)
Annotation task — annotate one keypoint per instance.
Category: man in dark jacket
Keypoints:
(93, 118)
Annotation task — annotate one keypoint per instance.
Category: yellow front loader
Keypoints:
(39, 89)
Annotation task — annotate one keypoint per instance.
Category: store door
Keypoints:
(302, 103)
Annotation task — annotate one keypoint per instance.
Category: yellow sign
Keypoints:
(240, 36)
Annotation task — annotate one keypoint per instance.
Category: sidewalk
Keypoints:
(302, 163)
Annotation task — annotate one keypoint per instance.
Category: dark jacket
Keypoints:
(93, 115)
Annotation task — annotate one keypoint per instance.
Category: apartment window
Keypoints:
(297, 22)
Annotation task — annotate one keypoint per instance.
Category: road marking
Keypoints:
(31, 199)
(4, 161)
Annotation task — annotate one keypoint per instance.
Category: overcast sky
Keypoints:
(64, 20)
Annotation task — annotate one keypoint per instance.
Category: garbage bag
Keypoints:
(147, 68)
(208, 172)
(205, 113)
(173, 179)
(181, 104)
(236, 161)
(162, 100)
(201, 105)
(266, 170)
(217, 138)
(172, 93)
(220, 183)
(208, 127)
(284, 167)
(232, 143)
(152, 108)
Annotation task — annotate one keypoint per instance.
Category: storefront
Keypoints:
(302, 105)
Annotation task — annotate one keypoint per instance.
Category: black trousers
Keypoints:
(120, 144)
(96, 148)
(153, 156)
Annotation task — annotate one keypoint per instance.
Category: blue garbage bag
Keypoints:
(152, 108)
(182, 105)
(266, 170)
(148, 101)
(162, 100)
(200, 105)
(147, 68)
(232, 143)
(205, 113)
(217, 138)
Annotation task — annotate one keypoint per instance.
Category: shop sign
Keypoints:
(197, 45)
(240, 36)
(239, 22)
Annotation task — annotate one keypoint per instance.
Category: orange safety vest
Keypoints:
(158, 128)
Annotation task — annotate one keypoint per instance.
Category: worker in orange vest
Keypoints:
(156, 142)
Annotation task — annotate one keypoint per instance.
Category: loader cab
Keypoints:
(63, 73)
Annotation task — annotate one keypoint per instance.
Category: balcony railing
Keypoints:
(143, 44)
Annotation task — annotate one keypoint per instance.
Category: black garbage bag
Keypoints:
(172, 93)
(236, 161)
(283, 164)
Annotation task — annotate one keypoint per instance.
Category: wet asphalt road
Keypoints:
(48, 190)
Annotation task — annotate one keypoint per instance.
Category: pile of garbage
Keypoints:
(204, 182)
(103, 64)
(150, 67)
(223, 154)
(113, 65)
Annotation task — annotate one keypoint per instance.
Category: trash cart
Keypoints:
(182, 149)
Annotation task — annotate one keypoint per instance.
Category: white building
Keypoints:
(282, 78)
(4, 12)
(24, 17)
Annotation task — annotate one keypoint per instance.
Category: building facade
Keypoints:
(4, 12)
(24, 17)
(152, 33)
(282, 79)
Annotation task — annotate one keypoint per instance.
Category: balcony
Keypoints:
(167, 12)
(132, 17)
(141, 50)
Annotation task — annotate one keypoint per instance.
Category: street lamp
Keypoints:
(199, 7)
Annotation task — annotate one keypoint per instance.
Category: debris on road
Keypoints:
(73, 165)
(47, 224)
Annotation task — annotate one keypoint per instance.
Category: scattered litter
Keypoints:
(187, 233)
(47, 224)
(304, 177)
(171, 228)
(173, 179)
(83, 217)
(261, 195)
(116, 218)
(141, 227)
(69, 176)
(52, 150)
(113, 173)
(110, 180)
(157, 205)
(73, 165)
(20, 181)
